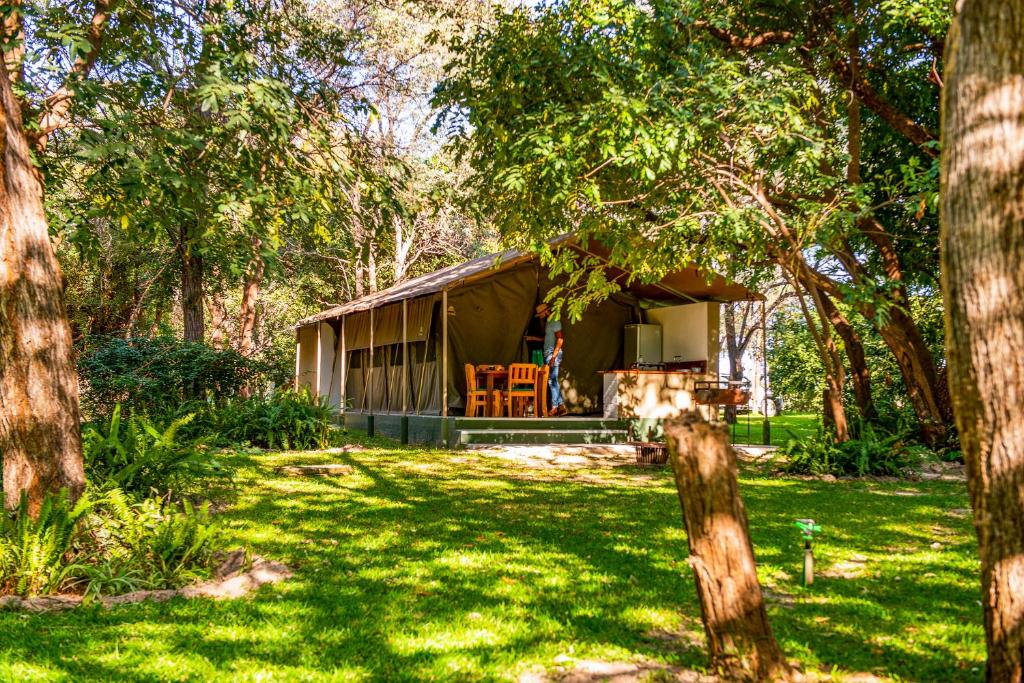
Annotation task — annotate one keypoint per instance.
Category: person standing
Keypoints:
(553, 348)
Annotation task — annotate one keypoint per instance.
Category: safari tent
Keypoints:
(402, 351)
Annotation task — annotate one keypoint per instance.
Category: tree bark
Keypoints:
(927, 393)
(158, 318)
(982, 241)
(218, 322)
(860, 374)
(191, 288)
(926, 388)
(734, 348)
(250, 294)
(40, 439)
(371, 265)
(834, 413)
(247, 314)
(740, 639)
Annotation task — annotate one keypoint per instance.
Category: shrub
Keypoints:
(288, 419)
(160, 376)
(150, 543)
(139, 457)
(870, 454)
(104, 545)
(36, 554)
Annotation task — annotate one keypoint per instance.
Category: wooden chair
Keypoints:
(498, 403)
(542, 391)
(522, 388)
(476, 398)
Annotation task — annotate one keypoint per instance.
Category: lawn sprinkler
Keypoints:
(808, 528)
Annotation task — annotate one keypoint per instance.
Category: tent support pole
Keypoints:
(766, 427)
(298, 355)
(343, 389)
(444, 366)
(405, 371)
(319, 356)
(405, 356)
(369, 421)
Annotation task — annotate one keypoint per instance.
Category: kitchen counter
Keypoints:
(655, 394)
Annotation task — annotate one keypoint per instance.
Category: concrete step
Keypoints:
(471, 437)
(533, 424)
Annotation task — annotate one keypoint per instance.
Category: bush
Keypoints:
(162, 376)
(153, 543)
(35, 554)
(288, 419)
(870, 454)
(139, 457)
(103, 545)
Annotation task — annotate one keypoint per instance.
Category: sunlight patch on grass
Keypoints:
(434, 565)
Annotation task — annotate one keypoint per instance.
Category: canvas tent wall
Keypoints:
(490, 304)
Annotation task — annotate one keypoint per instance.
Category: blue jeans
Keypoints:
(553, 385)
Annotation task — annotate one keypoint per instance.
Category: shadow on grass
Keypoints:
(415, 568)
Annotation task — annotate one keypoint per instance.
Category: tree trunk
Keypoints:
(191, 288)
(218, 322)
(158, 318)
(982, 243)
(734, 351)
(860, 374)
(250, 294)
(834, 373)
(927, 394)
(371, 266)
(40, 439)
(403, 248)
(740, 640)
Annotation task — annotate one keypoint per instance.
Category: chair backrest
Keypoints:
(470, 377)
(522, 373)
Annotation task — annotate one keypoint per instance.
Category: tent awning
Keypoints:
(687, 284)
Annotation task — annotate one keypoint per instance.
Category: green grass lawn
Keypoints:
(430, 565)
(784, 427)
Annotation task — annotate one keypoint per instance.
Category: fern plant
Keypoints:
(168, 543)
(288, 420)
(871, 454)
(139, 457)
(36, 553)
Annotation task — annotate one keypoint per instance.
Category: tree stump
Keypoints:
(740, 640)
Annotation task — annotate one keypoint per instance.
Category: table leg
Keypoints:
(490, 396)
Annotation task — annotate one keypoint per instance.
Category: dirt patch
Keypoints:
(853, 568)
(314, 470)
(778, 598)
(233, 578)
(569, 670)
(347, 448)
(562, 457)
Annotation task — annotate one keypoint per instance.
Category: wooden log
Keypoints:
(740, 640)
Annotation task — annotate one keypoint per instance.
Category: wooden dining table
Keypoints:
(493, 375)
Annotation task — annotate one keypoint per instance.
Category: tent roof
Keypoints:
(689, 283)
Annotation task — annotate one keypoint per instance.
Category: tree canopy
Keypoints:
(738, 136)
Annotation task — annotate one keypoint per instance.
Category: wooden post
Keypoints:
(445, 435)
(405, 356)
(740, 640)
(298, 357)
(370, 371)
(766, 427)
(316, 368)
(404, 430)
(343, 389)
